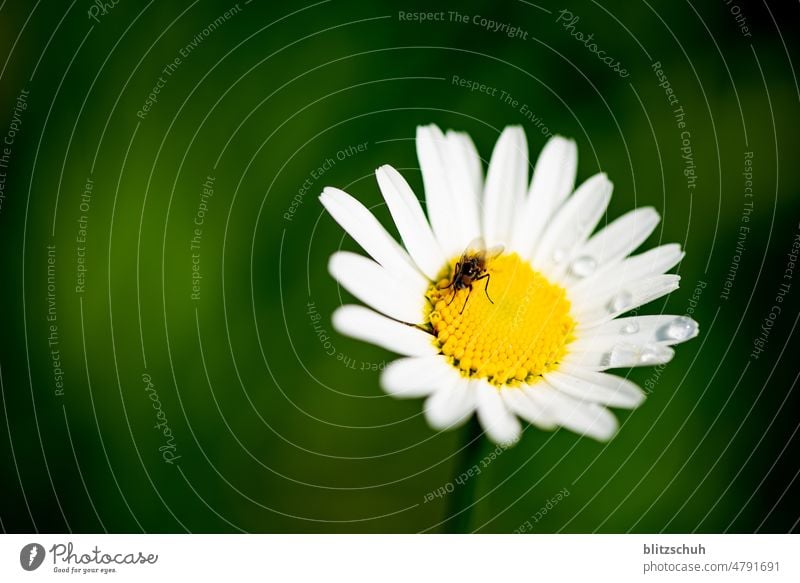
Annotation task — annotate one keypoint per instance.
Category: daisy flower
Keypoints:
(501, 301)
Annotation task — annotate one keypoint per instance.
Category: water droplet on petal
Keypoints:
(620, 301)
(583, 266)
(631, 327)
(625, 355)
(681, 328)
(655, 354)
(559, 255)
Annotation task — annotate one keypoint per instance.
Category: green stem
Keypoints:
(461, 499)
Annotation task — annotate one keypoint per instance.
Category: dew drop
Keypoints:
(655, 354)
(583, 266)
(681, 328)
(559, 255)
(623, 355)
(631, 327)
(620, 301)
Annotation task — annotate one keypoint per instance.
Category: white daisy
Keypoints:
(531, 340)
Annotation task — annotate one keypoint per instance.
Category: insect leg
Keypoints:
(452, 281)
(466, 300)
(487, 277)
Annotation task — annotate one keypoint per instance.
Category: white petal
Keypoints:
(506, 181)
(364, 324)
(620, 238)
(524, 402)
(451, 404)
(433, 160)
(615, 277)
(553, 180)
(411, 222)
(415, 376)
(451, 173)
(596, 387)
(365, 229)
(375, 286)
(500, 424)
(461, 156)
(610, 303)
(623, 236)
(579, 416)
(664, 329)
(621, 354)
(464, 156)
(573, 223)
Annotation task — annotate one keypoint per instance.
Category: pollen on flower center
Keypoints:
(520, 336)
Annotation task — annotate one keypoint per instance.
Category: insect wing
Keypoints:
(493, 252)
(477, 248)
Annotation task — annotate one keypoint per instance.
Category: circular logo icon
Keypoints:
(31, 556)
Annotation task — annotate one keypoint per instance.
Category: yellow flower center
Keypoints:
(519, 337)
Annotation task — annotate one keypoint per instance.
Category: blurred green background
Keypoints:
(278, 423)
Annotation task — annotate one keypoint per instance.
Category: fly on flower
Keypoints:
(555, 319)
(471, 268)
